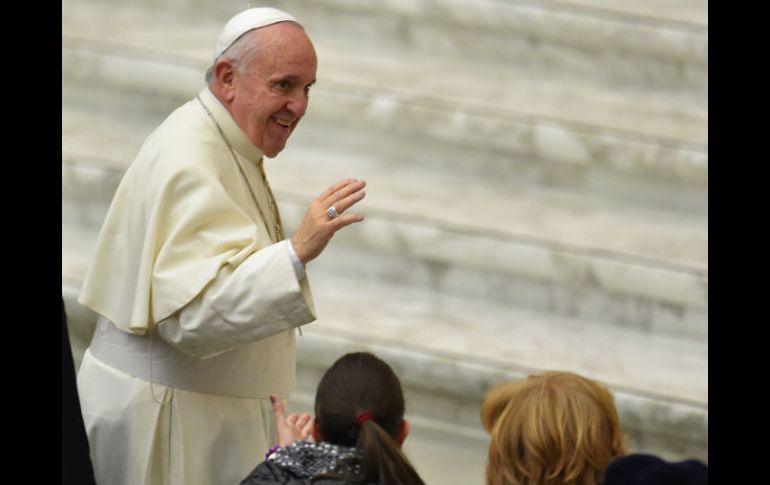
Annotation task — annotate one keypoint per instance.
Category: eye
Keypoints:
(283, 84)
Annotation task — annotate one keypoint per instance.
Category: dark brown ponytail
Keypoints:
(359, 402)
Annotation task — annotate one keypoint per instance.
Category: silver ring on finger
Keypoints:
(332, 212)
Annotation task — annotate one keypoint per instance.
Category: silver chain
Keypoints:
(243, 174)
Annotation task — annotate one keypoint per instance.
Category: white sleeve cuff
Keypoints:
(299, 268)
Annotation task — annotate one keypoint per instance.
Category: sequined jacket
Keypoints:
(298, 463)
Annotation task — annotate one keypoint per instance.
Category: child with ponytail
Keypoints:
(358, 430)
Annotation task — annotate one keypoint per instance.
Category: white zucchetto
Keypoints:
(247, 20)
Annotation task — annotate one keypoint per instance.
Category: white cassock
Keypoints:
(199, 298)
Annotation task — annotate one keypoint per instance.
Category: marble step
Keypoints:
(502, 150)
(642, 269)
(102, 139)
(513, 117)
(615, 44)
(683, 12)
(450, 350)
(444, 393)
(663, 379)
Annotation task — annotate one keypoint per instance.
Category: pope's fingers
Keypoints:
(326, 193)
(341, 192)
(345, 220)
(344, 204)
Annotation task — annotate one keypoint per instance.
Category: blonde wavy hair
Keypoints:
(555, 428)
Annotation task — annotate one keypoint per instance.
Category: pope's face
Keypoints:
(270, 93)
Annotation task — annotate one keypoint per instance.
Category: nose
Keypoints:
(298, 103)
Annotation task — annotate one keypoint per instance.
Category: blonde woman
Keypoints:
(555, 428)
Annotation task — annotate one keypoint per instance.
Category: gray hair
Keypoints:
(241, 53)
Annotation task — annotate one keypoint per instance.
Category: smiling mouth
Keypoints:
(286, 123)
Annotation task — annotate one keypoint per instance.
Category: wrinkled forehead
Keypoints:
(284, 46)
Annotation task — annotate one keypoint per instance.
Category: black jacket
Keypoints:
(298, 463)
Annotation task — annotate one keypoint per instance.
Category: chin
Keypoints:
(273, 151)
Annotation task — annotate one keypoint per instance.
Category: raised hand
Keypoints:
(292, 428)
(320, 222)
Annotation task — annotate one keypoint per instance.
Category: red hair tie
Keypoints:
(363, 417)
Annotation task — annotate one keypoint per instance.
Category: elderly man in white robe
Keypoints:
(198, 290)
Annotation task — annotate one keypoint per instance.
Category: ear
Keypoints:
(224, 73)
(403, 432)
(314, 432)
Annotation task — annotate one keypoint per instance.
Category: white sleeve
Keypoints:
(299, 268)
(263, 296)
